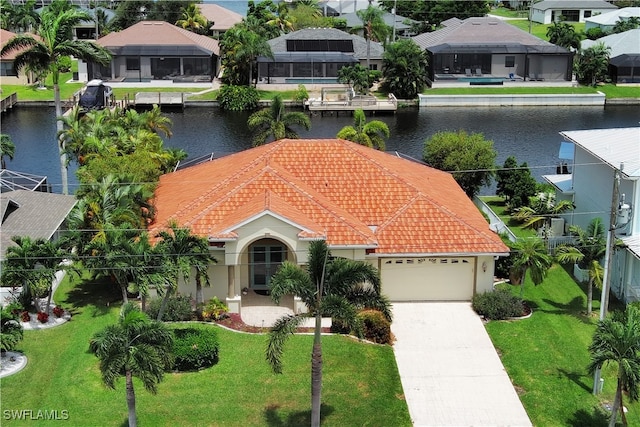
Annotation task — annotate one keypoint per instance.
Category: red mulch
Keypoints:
(234, 321)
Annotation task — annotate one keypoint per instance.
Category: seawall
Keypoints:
(510, 100)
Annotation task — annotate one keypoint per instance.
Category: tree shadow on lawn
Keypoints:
(576, 308)
(95, 294)
(584, 418)
(293, 419)
(577, 378)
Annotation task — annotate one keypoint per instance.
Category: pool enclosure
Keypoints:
(303, 67)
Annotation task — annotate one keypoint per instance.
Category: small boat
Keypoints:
(96, 96)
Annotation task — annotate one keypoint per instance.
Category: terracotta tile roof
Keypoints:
(5, 36)
(157, 33)
(334, 189)
(222, 18)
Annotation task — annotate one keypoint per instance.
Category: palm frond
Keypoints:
(280, 332)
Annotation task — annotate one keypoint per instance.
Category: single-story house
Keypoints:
(340, 7)
(484, 48)
(624, 58)
(264, 205)
(157, 50)
(8, 74)
(35, 214)
(314, 55)
(598, 156)
(86, 30)
(607, 21)
(401, 24)
(548, 11)
(222, 18)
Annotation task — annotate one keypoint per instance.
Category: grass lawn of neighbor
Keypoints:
(361, 385)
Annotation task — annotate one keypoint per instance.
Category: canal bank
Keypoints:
(512, 100)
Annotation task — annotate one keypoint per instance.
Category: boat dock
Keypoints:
(8, 102)
(168, 99)
(344, 99)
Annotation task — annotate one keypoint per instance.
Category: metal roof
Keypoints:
(627, 42)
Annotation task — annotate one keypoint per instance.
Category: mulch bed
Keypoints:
(234, 321)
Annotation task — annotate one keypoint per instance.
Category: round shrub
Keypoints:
(497, 305)
(194, 349)
(376, 327)
(178, 308)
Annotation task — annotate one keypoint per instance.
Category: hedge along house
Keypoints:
(157, 50)
(315, 55)
(478, 49)
(265, 205)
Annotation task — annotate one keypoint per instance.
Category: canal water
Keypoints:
(529, 133)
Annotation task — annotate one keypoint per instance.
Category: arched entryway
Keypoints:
(265, 256)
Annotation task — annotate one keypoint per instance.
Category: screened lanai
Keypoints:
(303, 67)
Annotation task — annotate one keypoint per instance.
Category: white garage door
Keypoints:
(428, 279)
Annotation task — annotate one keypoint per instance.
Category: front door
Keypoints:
(264, 261)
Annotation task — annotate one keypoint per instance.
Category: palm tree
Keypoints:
(617, 340)
(373, 26)
(275, 123)
(530, 255)
(587, 251)
(370, 134)
(55, 42)
(593, 63)
(335, 287)
(542, 208)
(134, 347)
(239, 47)
(403, 67)
(564, 35)
(183, 251)
(192, 19)
(283, 21)
(7, 148)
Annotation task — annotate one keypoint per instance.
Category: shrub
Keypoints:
(58, 311)
(10, 329)
(43, 317)
(64, 64)
(194, 348)
(497, 305)
(214, 310)
(178, 308)
(238, 98)
(376, 326)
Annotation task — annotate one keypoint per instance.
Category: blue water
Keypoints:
(238, 6)
(529, 133)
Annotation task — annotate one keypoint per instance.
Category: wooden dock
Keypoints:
(365, 103)
(169, 99)
(8, 102)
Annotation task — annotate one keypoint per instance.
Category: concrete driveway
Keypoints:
(450, 371)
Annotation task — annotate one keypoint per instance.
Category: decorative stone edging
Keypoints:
(11, 363)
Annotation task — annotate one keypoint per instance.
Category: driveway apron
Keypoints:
(450, 372)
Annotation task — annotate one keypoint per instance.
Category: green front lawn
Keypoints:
(547, 355)
(497, 205)
(361, 381)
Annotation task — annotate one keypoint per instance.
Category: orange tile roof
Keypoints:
(5, 36)
(348, 194)
(157, 33)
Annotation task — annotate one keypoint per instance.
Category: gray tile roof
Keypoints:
(31, 213)
(279, 44)
(484, 32)
(573, 4)
(621, 43)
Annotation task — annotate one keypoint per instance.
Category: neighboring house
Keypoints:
(489, 47)
(157, 50)
(597, 155)
(607, 21)
(222, 19)
(624, 58)
(264, 205)
(340, 7)
(34, 214)
(7, 73)
(548, 11)
(314, 55)
(402, 24)
(87, 30)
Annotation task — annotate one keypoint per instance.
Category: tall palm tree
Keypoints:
(192, 19)
(587, 251)
(530, 255)
(370, 134)
(7, 148)
(617, 340)
(182, 251)
(335, 287)
(373, 26)
(274, 122)
(283, 21)
(593, 63)
(54, 42)
(239, 47)
(134, 347)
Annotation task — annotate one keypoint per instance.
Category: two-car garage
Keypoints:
(428, 279)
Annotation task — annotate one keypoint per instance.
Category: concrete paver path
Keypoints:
(450, 372)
